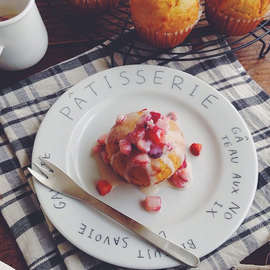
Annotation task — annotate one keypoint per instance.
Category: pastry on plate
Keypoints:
(144, 147)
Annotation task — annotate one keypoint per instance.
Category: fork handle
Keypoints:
(163, 244)
(65, 185)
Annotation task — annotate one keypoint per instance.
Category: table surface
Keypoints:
(65, 42)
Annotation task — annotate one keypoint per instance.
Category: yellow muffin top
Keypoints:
(242, 9)
(164, 15)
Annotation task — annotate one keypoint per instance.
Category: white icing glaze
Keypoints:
(168, 162)
(175, 138)
(151, 173)
(177, 142)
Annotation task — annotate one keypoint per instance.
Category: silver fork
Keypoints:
(54, 178)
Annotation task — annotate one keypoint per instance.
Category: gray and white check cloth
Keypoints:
(23, 107)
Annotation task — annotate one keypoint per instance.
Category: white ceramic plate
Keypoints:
(199, 218)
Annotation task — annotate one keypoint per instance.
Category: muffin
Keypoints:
(164, 23)
(236, 17)
(93, 5)
(144, 147)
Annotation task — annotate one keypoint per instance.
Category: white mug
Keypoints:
(23, 38)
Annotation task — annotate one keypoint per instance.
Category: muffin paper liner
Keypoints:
(230, 25)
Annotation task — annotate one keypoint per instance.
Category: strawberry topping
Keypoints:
(152, 203)
(179, 178)
(102, 139)
(98, 148)
(148, 137)
(195, 149)
(120, 119)
(169, 147)
(125, 146)
(156, 135)
(162, 123)
(103, 187)
(155, 116)
(144, 145)
(156, 151)
(105, 157)
(136, 135)
(183, 165)
(144, 119)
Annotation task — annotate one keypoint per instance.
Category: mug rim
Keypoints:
(18, 16)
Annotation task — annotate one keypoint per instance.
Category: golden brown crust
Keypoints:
(119, 163)
(241, 9)
(118, 132)
(139, 176)
(164, 15)
(236, 18)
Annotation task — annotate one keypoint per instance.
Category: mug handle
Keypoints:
(1, 49)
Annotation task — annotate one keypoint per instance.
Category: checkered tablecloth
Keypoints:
(23, 107)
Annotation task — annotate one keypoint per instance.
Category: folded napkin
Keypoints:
(23, 107)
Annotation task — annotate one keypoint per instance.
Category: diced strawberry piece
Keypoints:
(139, 133)
(183, 165)
(103, 187)
(150, 124)
(156, 135)
(144, 119)
(144, 145)
(141, 160)
(105, 157)
(162, 123)
(177, 181)
(125, 147)
(195, 149)
(156, 151)
(179, 178)
(97, 148)
(155, 116)
(172, 116)
(169, 147)
(136, 135)
(102, 139)
(184, 174)
(152, 203)
(143, 110)
(120, 119)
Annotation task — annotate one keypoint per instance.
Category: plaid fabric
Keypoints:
(23, 107)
